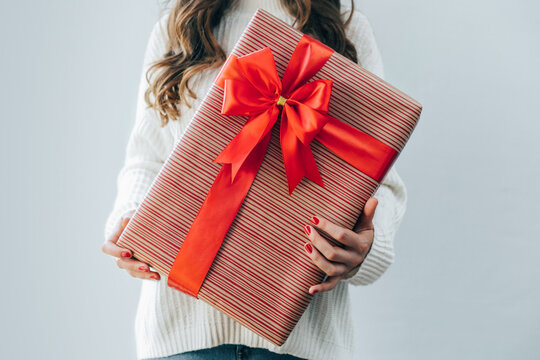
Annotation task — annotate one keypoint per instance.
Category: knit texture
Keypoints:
(169, 322)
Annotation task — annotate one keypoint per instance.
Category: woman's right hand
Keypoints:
(134, 267)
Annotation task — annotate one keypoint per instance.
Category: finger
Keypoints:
(330, 268)
(143, 275)
(341, 234)
(119, 229)
(109, 247)
(137, 269)
(112, 249)
(329, 251)
(366, 218)
(326, 285)
(132, 264)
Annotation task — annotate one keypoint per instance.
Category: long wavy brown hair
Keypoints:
(192, 46)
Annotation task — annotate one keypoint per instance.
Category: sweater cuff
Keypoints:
(377, 261)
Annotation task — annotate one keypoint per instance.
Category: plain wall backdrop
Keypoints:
(466, 281)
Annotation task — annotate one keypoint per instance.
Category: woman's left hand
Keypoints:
(338, 261)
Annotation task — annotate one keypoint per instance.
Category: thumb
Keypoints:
(119, 229)
(125, 221)
(366, 219)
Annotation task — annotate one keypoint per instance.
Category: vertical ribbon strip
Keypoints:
(252, 88)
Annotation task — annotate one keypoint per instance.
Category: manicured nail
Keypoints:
(126, 254)
(153, 277)
(314, 292)
(308, 248)
(315, 220)
(143, 268)
(307, 229)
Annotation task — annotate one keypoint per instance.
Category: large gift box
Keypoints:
(288, 129)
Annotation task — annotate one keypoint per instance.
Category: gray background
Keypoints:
(465, 283)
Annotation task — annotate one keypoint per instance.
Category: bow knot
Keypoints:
(281, 101)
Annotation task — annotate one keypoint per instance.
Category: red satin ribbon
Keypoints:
(252, 88)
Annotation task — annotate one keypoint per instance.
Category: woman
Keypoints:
(184, 53)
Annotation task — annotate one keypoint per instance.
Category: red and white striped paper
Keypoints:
(261, 274)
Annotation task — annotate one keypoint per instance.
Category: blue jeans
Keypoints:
(230, 352)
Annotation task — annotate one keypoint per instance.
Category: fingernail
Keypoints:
(153, 277)
(315, 291)
(308, 248)
(307, 229)
(143, 268)
(126, 254)
(315, 220)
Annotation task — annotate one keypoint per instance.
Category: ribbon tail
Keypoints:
(309, 165)
(212, 223)
(297, 158)
(247, 139)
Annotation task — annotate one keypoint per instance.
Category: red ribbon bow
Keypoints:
(252, 88)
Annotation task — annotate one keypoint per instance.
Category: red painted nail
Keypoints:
(143, 268)
(126, 254)
(153, 277)
(315, 220)
(307, 229)
(315, 291)
(308, 248)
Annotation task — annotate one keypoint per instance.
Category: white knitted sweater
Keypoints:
(168, 321)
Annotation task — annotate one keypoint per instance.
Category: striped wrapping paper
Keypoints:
(261, 274)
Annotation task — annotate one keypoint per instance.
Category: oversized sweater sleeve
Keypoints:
(148, 144)
(392, 193)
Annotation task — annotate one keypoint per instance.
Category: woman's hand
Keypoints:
(134, 267)
(337, 261)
